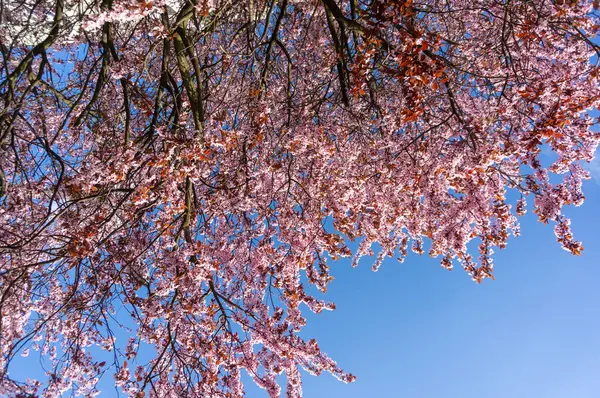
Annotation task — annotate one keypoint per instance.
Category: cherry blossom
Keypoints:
(185, 172)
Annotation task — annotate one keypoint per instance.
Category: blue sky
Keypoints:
(416, 330)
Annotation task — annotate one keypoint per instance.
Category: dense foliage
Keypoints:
(185, 171)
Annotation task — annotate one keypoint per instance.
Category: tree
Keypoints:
(187, 170)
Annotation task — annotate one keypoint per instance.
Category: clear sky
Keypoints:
(416, 330)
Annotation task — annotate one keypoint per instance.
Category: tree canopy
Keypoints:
(185, 171)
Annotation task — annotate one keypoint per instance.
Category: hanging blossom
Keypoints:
(183, 173)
